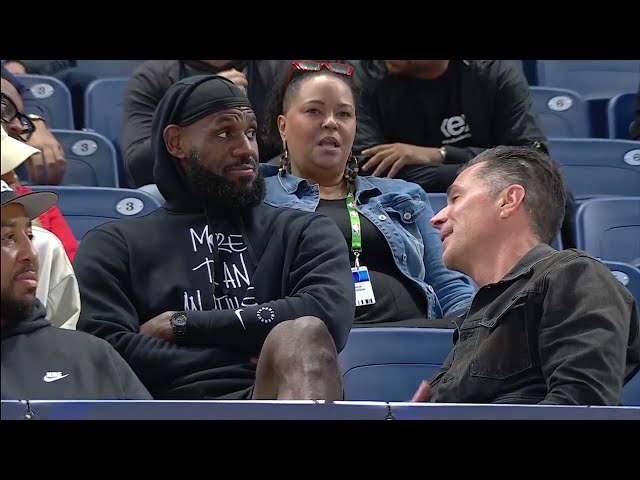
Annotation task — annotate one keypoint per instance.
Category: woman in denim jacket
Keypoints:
(385, 221)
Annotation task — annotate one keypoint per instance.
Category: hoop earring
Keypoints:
(352, 168)
(284, 160)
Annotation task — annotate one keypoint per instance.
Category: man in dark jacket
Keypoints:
(420, 119)
(545, 326)
(40, 361)
(216, 291)
(152, 79)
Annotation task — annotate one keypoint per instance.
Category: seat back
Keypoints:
(103, 106)
(590, 78)
(609, 228)
(563, 112)
(598, 166)
(108, 68)
(628, 275)
(620, 114)
(103, 113)
(388, 363)
(52, 97)
(91, 159)
(85, 208)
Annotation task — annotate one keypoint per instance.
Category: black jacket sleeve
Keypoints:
(515, 121)
(101, 266)
(320, 283)
(147, 86)
(46, 67)
(584, 335)
(369, 131)
(131, 386)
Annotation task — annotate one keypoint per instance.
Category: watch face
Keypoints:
(179, 320)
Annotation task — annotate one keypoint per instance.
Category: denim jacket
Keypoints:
(401, 211)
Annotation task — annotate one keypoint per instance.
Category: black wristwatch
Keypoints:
(179, 323)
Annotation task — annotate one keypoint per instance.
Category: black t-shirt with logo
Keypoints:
(474, 105)
(436, 116)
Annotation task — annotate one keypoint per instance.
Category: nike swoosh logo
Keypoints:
(53, 379)
(237, 312)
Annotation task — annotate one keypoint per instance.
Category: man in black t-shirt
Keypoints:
(420, 119)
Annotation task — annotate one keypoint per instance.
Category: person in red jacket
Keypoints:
(52, 219)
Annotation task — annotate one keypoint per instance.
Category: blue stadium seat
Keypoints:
(91, 159)
(598, 166)
(388, 364)
(152, 189)
(103, 104)
(52, 96)
(439, 201)
(628, 275)
(103, 113)
(609, 228)
(563, 112)
(108, 68)
(84, 208)
(620, 114)
(590, 78)
(596, 80)
(631, 392)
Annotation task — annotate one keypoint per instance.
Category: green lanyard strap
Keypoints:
(356, 233)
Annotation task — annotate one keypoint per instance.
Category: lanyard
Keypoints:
(356, 233)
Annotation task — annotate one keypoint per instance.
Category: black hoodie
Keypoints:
(276, 264)
(43, 362)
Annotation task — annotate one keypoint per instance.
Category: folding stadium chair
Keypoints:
(609, 228)
(152, 189)
(627, 275)
(563, 112)
(108, 68)
(52, 96)
(388, 364)
(598, 166)
(596, 80)
(590, 78)
(631, 392)
(91, 159)
(84, 208)
(103, 112)
(620, 113)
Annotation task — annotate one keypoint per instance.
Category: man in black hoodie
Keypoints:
(40, 361)
(217, 295)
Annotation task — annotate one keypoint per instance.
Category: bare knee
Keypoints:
(299, 360)
(308, 329)
(304, 341)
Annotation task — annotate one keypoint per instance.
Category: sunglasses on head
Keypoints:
(315, 66)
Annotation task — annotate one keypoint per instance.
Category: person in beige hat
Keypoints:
(57, 285)
(14, 152)
(52, 220)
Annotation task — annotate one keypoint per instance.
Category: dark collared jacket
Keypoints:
(558, 329)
